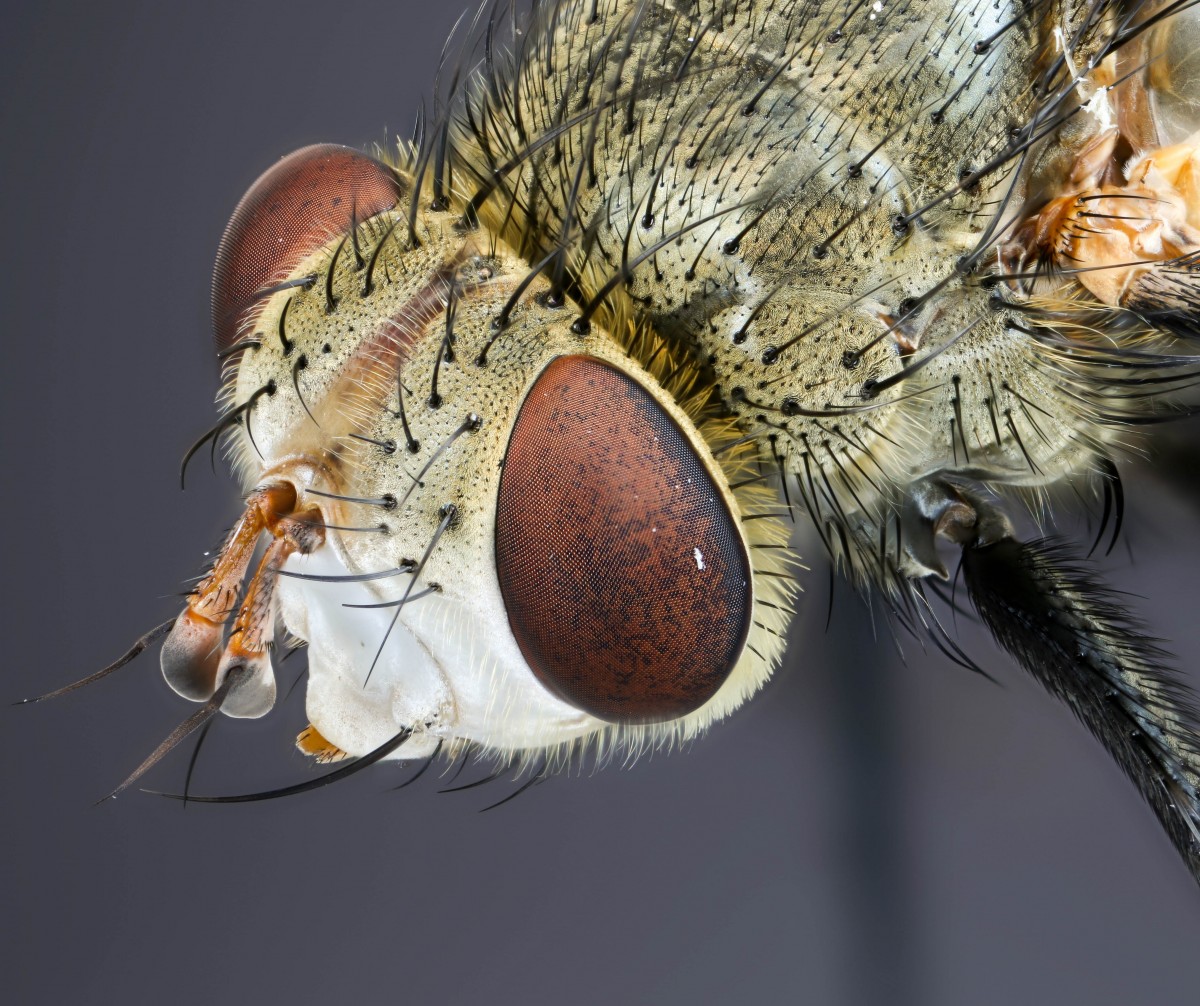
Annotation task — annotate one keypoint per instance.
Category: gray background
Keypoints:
(865, 831)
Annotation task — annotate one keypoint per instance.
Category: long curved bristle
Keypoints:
(344, 772)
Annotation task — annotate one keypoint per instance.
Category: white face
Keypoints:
(442, 665)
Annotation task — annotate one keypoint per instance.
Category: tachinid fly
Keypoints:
(524, 407)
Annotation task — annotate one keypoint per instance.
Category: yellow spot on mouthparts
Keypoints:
(310, 741)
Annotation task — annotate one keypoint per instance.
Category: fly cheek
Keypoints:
(293, 209)
(623, 571)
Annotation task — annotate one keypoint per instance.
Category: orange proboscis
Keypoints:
(311, 742)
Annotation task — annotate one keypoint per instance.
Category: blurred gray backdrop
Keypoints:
(866, 831)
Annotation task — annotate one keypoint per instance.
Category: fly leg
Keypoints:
(1052, 612)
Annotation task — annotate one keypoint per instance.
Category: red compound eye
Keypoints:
(293, 209)
(626, 581)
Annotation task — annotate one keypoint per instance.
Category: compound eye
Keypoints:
(292, 210)
(626, 580)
